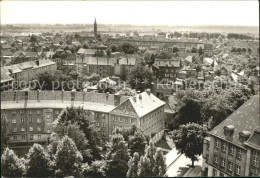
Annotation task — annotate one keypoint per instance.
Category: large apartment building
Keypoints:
(25, 72)
(233, 147)
(29, 114)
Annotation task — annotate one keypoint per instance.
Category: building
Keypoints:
(6, 81)
(29, 114)
(144, 110)
(167, 68)
(233, 147)
(25, 72)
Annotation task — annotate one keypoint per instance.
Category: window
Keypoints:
(103, 115)
(21, 112)
(30, 112)
(238, 168)
(56, 112)
(23, 137)
(120, 119)
(22, 120)
(13, 121)
(230, 165)
(214, 174)
(131, 120)
(239, 153)
(254, 158)
(14, 129)
(115, 118)
(126, 120)
(223, 162)
(231, 150)
(48, 131)
(39, 137)
(217, 143)
(30, 119)
(224, 146)
(31, 137)
(215, 158)
(103, 124)
(14, 112)
(114, 127)
(48, 116)
(38, 112)
(221, 174)
(22, 129)
(15, 138)
(103, 132)
(98, 123)
(30, 129)
(39, 129)
(39, 120)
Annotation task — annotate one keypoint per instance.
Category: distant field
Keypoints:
(123, 28)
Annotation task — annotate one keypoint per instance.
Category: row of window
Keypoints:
(39, 120)
(31, 112)
(255, 158)
(229, 164)
(231, 148)
(103, 124)
(39, 129)
(23, 137)
(120, 119)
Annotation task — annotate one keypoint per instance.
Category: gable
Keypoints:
(126, 109)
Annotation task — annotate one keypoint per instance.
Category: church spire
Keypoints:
(95, 27)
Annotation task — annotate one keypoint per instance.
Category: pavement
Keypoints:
(180, 167)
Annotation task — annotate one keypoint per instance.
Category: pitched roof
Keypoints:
(146, 104)
(245, 118)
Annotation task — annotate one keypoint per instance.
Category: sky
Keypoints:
(244, 13)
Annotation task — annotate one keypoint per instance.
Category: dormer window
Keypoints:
(228, 131)
(244, 136)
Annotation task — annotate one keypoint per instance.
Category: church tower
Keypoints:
(95, 28)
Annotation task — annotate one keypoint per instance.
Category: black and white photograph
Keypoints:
(137, 88)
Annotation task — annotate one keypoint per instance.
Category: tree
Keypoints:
(33, 39)
(85, 122)
(144, 167)
(194, 50)
(189, 140)
(128, 48)
(117, 157)
(68, 158)
(189, 109)
(159, 169)
(3, 132)
(140, 78)
(39, 163)
(137, 143)
(45, 81)
(74, 132)
(133, 166)
(96, 169)
(175, 49)
(152, 164)
(11, 165)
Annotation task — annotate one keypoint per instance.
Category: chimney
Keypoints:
(148, 91)
(244, 136)
(38, 95)
(107, 95)
(117, 99)
(140, 96)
